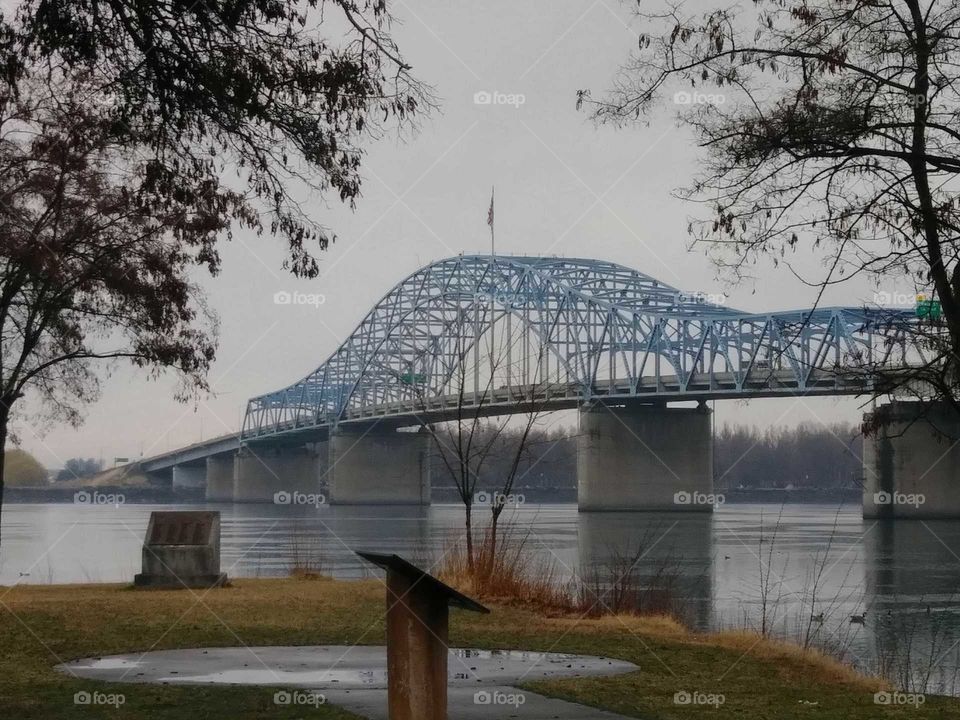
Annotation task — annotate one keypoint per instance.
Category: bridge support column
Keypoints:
(220, 477)
(189, 478)
(644, 457)
(264, 474)
(160, 478)
(379, 467)
(911, 462)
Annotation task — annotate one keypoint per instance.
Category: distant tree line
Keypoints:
(22, 469)
(548, 458)
(77, 468)
(806, 456)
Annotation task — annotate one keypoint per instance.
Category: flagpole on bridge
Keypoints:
(490, 222)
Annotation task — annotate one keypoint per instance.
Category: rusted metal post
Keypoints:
(418, 608)
(416, 650)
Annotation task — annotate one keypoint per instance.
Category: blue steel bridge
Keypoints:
(485, 333)
(482, 335)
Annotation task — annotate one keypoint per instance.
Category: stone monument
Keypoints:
(181, 550)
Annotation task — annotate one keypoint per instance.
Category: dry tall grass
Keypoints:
(507, 573)
(306, 555)
(511, 573)
(633, 583)
(514, 576)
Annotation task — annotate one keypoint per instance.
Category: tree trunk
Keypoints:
(4, 417)
(468, 517)
(928, 213)
(494, 520)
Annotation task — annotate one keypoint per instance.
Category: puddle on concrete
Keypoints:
(111, 663)
(356, 677)
(321, 667)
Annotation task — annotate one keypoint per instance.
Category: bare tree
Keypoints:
(485, 400)
(89, 270)
(255, 93)
(460, 445)
(830, 124)
(135, 136)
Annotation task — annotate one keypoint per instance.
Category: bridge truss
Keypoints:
(498, 329)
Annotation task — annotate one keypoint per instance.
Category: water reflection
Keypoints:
(269, 541)
(912, 579)
(656, 561)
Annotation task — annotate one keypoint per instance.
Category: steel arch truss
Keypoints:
(565, 330)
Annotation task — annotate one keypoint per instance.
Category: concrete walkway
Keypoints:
(481, 681)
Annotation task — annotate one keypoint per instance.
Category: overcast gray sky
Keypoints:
(563, 186)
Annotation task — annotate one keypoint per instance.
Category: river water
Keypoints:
(801, 570)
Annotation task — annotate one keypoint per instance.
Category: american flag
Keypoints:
(490, 211)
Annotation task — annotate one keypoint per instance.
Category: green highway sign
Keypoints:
(929, 309)
(413, 379)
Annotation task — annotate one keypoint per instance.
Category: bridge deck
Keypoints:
(547, 398)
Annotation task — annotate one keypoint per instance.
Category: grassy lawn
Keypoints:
(43, 625)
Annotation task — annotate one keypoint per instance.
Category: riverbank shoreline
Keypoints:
(44, 625)
(139, 494)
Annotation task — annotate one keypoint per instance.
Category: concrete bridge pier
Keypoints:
(189, 478)
(159, 478)
(911, 461)
(379, 467)
(644, 457)
(220, 477)
(272, 474)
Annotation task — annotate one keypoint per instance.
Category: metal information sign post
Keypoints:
(417, 621)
